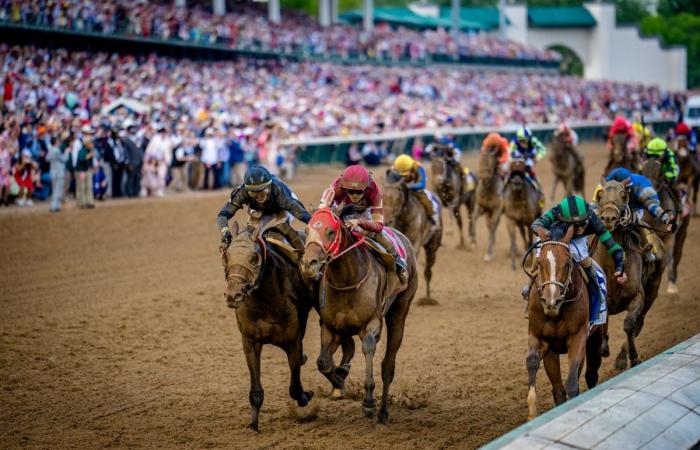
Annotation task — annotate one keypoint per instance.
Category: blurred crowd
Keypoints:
(248, 28)
(139, 124)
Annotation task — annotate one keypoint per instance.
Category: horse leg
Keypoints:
(553, 370)
(295, 358)
(348, 347)
(604, 346)
(635, 312)
(430, 254)
(671, 273)
(532, 362)
(492, 222)
(593, 357)
(370, 337)
(458, 217)
(472, 226)
(554, 189)
(510, 224)
(576, 345)
(678, 242)
(252, 350)
(395, 321)
(329, 344)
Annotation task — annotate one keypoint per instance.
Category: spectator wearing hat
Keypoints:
(81, 161)
(133, 159)
(58, 157)
(158, 157)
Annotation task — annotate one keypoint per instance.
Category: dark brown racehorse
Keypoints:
(558, 322)
(354, 300)
(670, 202)
(619, 156)
(521, 207)
(689, 166)
(403, 211)
(643, 279)
(566, 167)
(489, 195)
(448, 184)
(272, 305)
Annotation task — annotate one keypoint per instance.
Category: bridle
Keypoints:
(624, 217)
(564, 287)
(247, 285)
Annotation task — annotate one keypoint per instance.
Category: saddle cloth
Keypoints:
(469, 178)
(437, 206)
(393, 286)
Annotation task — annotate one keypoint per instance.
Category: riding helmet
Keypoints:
(656, 147)
(523, 134)
(403, 164)
(573, 209)
(355, 177)
(257, 178)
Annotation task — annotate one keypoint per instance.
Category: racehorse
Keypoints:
(558, 322)
(272, 305)
(448, 184)
(404, 211)
(489, 191)
(689, 166)
(643, 279)
(620, 156)
(565, 167)
(355, 295)
(521, 206)
(670, 202)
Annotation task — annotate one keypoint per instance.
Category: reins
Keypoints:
(570, 265)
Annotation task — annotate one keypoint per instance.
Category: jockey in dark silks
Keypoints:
(574, 211)
(527, 147)
(414, 176)
(265, 194)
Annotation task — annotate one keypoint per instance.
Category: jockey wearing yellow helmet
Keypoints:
(414, 176)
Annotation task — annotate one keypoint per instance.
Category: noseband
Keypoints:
(624, 217)
(564, 287)
(248, 267)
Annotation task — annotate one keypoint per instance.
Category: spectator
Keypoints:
(24, 172)
(210, 158)
(237, 159)
(58, 158)
(158, 157)
(5, 171)
(133, 157)
(353, 155)
(82, 161)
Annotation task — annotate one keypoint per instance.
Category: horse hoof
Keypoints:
(672, 289)
(383, 417)
(461, 247)
(605, 351)
(427, 301)
(307, 412)
(254, 426)
(369, 411)
(337, 393)
(342, 371)
(488, 258)
(634, 362)
(303, 359)
(621, 363)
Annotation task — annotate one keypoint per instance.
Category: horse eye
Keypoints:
(253, 259)
(330, 232)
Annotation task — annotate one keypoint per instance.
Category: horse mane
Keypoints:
(393, 177)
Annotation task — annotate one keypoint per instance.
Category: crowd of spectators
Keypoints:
(248, 28)
(199, 123)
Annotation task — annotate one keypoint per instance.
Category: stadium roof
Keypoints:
(479, 20)
(560, 17)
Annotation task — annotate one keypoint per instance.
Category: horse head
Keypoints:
(325, 238)
(395, 192)
(652, 170)
(612, 199)
(681, 146)
(438, 164)
(488, 163)
(243, 263)
(619, 147)
(555, 269)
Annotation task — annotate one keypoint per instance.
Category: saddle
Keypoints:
(266, 227)
(393, 286)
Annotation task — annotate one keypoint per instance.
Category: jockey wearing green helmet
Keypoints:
(574, 211)
(658, 149)
(527, 147)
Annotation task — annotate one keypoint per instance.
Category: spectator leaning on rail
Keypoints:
(266, 195)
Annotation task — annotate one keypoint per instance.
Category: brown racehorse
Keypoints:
(447, 183)
(670, 202)
(566, 167)
(272, 305)
(489, 193)
(620, 156)
(521, 206)
(643, 279)
(689, 166)
(403, 211)
(558, 322)
(353, 299)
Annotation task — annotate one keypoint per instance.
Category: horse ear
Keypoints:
(234, 228)
(598, 191)
(626, 182)
(603, 180)
(569, 235)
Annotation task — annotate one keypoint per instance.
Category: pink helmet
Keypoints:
(682, 128)
(620, 125)
(355, 177)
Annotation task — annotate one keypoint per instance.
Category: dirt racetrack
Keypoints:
(114, 333)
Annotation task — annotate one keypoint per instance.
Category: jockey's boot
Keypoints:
(654, 250)
(400, 264)
(291, 235)
(594, 296)
(424, 199)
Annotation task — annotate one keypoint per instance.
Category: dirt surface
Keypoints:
(114, 333)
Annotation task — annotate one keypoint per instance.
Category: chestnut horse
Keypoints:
(565, 167)
(669, 201)
(272, 305)
(689, 166)
(620, 156)
(403, 211)
(643, 279)
(558, 322)
(521, 206)
(448, 184)
(354, 300)
(489, 193)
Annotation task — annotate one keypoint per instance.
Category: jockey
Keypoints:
(265, 194)
(643, 197)
(682, 129)
(621, 126)
(641, 133)
(573, 210)
(355, 186)
(527, 147)
(414, 175)
(498, 141)
(658, 149)
(570, 137)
